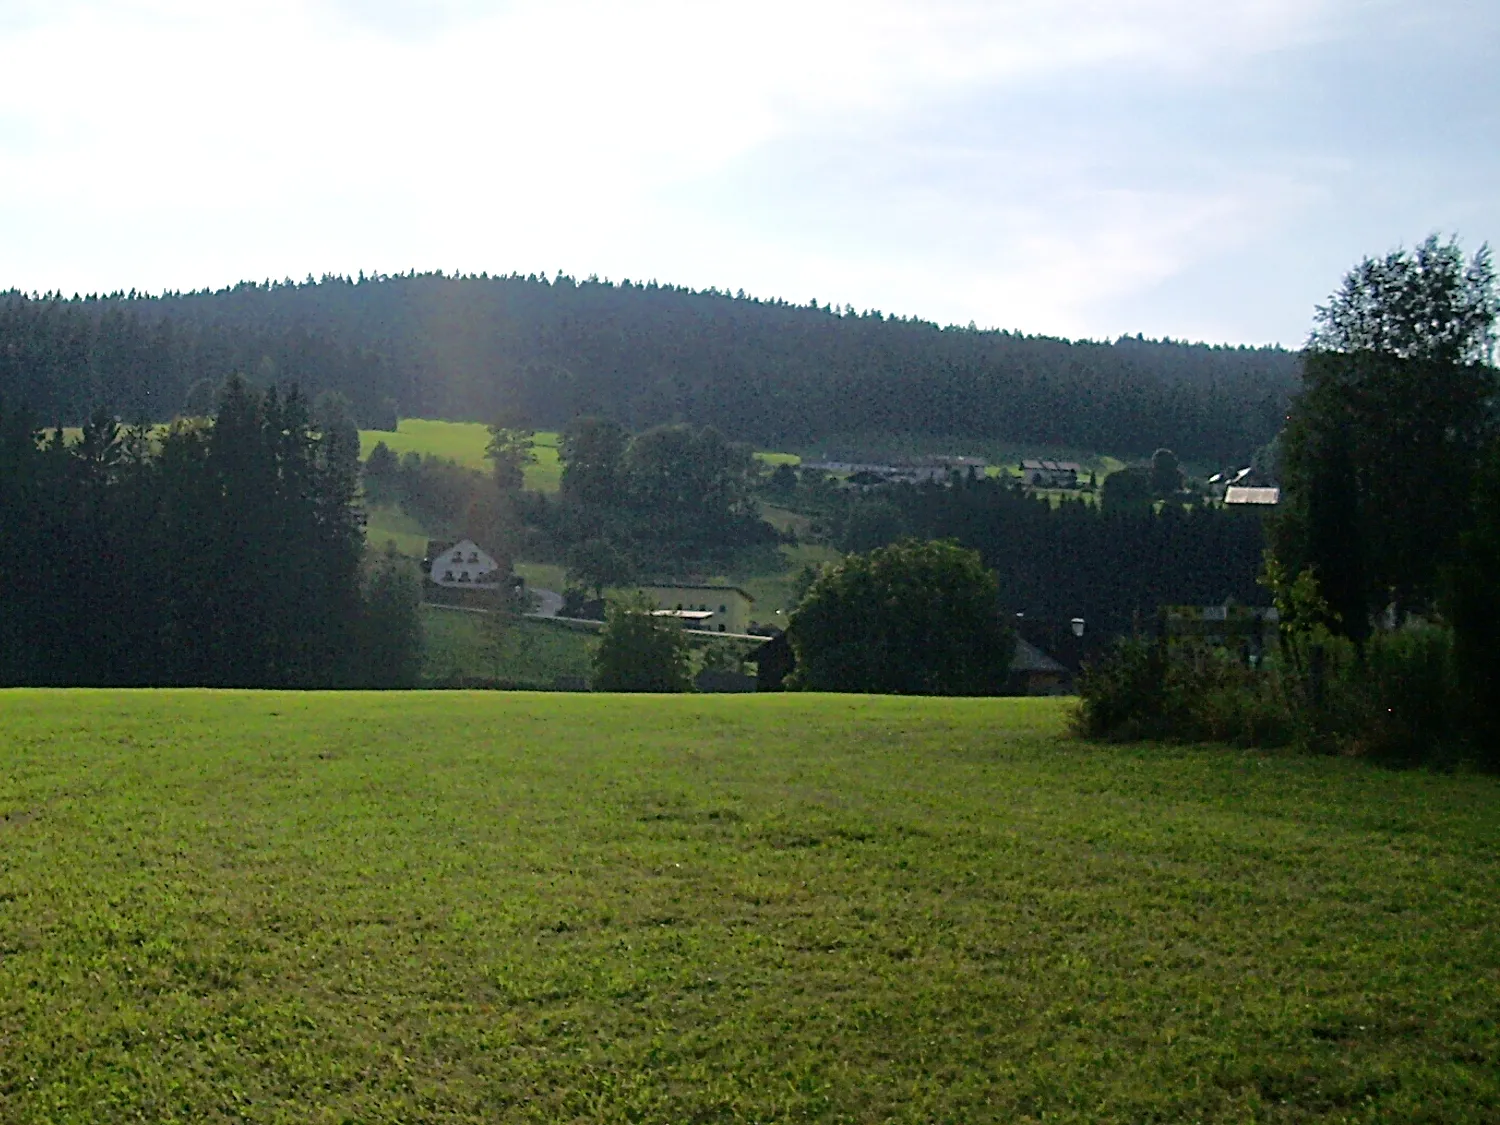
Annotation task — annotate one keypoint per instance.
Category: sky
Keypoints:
(1084, 168)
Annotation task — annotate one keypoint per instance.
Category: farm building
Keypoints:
(1238, 496)
(1033, 672)
(1248, 477)
(717, 609)
(1051, 474)
(462, 565)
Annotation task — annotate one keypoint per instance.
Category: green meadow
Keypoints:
(465, 443)
(533, 654)
(455, 907)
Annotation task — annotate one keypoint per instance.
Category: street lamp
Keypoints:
(1077, 626)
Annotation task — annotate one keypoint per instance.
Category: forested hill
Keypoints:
(779, 374)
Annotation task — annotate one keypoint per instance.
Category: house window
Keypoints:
(473, 556)
(447, 576)
(723, 609)
(464, 577)
(721, 627)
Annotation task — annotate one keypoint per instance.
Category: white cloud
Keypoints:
(174, 143)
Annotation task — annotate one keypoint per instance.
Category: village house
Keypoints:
(925, 470)
(462, 565)
(1051, 474)
(715, 609)
(1033, 672)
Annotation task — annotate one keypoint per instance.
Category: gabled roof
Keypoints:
(1051, 466)
(1029, 658)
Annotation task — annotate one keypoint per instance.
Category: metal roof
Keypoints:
(1262, 496)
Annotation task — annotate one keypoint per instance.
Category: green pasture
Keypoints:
(455, 907)
(463, 442)
(390, 526)
(534, 653)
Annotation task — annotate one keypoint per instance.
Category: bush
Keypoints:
(1398, 702)
(1121, 696)
(1401, 704)
(910, 619)
(1140, 690)
(641, 652)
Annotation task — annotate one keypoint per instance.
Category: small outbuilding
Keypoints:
(1033, 672)
(1240, 496)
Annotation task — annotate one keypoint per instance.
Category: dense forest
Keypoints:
(770, 372)
(1107, 564)
(227, 552)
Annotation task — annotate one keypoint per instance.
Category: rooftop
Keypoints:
(1264, 497)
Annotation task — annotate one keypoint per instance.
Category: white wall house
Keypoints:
(464, 564)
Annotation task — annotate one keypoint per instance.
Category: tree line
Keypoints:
(1386, 545)
(224, 552)
(1112, 564)
(67, 360)
(770, 372)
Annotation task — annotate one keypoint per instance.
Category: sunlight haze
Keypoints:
(1079, 168)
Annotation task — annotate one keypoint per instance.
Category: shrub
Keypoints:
(1140, 690)
(1401, 703)
(1121, 696)
(915, 618)
(641, 652)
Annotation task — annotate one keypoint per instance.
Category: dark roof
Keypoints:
(1052, 466)
(1029, 658)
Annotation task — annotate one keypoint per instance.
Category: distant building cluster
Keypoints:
(923, 470)
(1040, 473)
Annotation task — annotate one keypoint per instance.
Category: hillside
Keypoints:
(444, 907)
(780, 375)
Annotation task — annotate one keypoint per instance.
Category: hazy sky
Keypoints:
(1080, 167)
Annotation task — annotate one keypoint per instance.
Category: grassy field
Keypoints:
(388, 525)
(537, 654)
(463, 442)
(459, 907)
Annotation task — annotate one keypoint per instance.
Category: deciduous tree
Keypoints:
(914, 618)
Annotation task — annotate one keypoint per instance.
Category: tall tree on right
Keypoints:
(1380, 449)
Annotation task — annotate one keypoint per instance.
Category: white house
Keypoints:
(463, 564)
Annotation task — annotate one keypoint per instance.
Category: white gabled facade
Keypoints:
(465, 565)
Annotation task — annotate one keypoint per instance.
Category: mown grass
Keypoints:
(477, 907)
